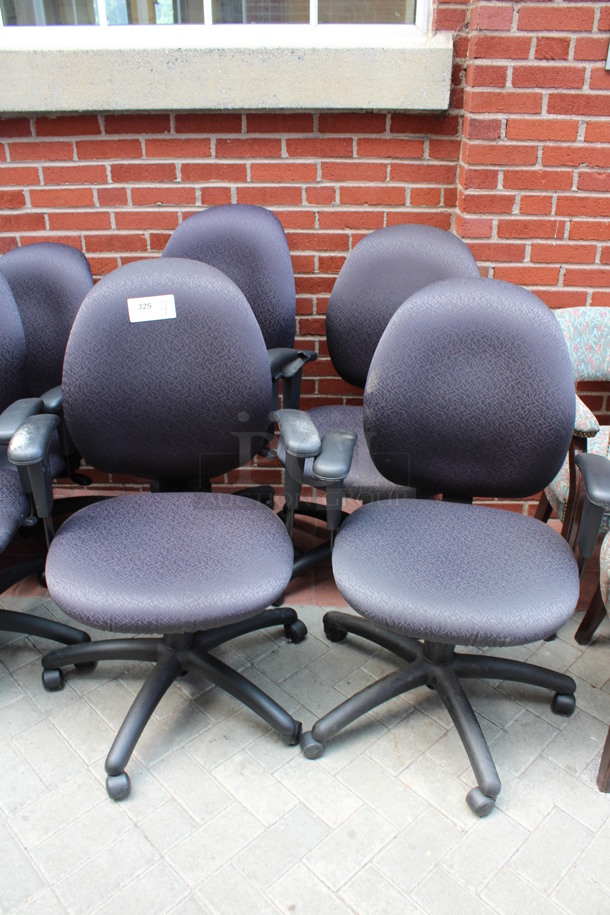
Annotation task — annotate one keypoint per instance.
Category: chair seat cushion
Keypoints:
(168, 562)
(363, 482)
(14, 505)
(456, 574)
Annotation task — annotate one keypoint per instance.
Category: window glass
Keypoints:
(170, 12)
(47, 12)
(260, 10)
(396, 11)
(153, 12)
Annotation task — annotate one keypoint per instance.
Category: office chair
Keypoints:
(587, 334)
(15, 506)
(469, 394)
(165, 375)
(248, 243)
(381, 271)
(49, 280)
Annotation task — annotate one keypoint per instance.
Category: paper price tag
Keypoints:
(151, 308)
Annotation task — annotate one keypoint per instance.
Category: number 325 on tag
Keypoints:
(151, 308)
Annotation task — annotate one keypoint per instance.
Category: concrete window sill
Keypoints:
(154, 68)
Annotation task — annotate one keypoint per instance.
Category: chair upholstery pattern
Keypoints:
(14, 505)
(455, 432)
(49, 281)
(383, 270)
(137, 425)
(248, 244)
(12, 347)
(228, 557)
(450, 596)
(587, 334)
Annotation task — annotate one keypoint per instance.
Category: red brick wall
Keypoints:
(534, 176)
(519, 167)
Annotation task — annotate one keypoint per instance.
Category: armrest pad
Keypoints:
(585, 422)
(285, 362)
(16, 414)
(53, 400)
(301, 437)
(30, 443)
(595, 469)
(335, 457)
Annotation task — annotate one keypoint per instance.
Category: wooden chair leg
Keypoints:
(543, 509)
(591, 620)
(603, 776)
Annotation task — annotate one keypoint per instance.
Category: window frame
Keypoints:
(422, 17)
(225, 67)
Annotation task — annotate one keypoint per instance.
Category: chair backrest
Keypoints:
(380, 272)
(12, 349)
(587, 333)
(49, 281)
(470, 392)
(166, 397)
(247, 243)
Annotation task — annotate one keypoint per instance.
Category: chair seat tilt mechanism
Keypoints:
(469, 394)
(166, 376)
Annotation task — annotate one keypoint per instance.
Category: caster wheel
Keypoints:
(296, 631)
(293, 739)
(335, 635)
(563, 704)
(118, 786)
(52, 680)
(479, 803)
(312, 748)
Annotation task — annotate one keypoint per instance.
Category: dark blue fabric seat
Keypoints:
(168, 562)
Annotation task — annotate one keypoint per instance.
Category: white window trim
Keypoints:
(224, 67)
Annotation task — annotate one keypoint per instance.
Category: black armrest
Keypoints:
(335, 457)
(301, 437)
(30, 443)
(16, 414)
(285, 362)
(53, 400)
(595, 469)
(28, 450)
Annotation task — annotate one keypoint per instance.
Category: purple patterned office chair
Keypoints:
(469, 394)
(166, 375)
(383, 270)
